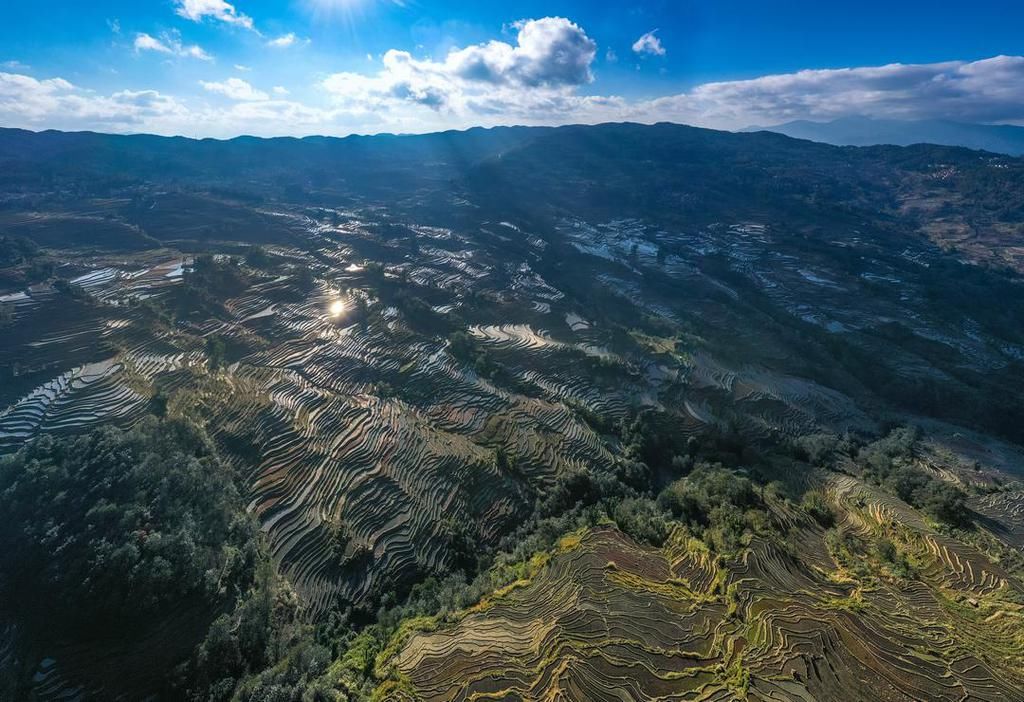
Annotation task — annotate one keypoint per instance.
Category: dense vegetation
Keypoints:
(121, 526)
(889, 462)
(16, 249)
(207, 283)
(125, 528)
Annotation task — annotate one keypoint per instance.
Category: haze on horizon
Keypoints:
(212, 68)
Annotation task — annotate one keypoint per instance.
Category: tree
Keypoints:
(135, 523)
(462, 346)
(216, 351)
(16, 249)
(304, 279)
(257, 257)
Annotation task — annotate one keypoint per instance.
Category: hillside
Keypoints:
(961, 200)
(613, 412)
(608, 619)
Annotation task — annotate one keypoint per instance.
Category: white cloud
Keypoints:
(56, 103)
(988, 91)
(649, 44)
(170, 44)
(283, 41)
(243, 69)
(28, 97)
(281, 90)
(235, 89)
(463, 94)
(144, 42)
(551, 58)
(550, 52)
(198, 10)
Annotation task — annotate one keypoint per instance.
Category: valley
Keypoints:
(756, 434)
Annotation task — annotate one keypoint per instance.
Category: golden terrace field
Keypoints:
(802, 617)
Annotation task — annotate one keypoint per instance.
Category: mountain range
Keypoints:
(867, 131)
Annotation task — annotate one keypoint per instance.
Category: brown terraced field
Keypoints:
(607, 619)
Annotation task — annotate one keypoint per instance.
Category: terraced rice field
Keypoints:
(361, 441)
(607, 619)
(323, 446)
(326, 442)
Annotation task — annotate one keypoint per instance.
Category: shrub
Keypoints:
(257, 257)
(716, 502)
(816, 505)
(642, 520)
(817, 449)
(887, 462)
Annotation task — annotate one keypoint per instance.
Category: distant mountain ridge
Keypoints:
(866, 131)
(682, 176)
(367, 160)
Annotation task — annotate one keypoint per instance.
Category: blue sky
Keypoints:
(219, 68)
